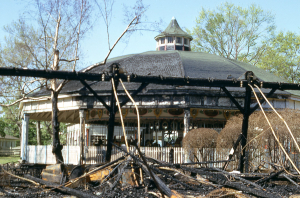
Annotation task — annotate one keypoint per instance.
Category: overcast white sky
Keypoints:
(286, 13)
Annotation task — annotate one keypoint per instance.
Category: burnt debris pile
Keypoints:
(136, 175)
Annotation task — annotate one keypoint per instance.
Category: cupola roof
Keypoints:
(174, 29)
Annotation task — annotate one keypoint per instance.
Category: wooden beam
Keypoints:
(233, 100)
(95, 94)
(262, 100)
(181, 81)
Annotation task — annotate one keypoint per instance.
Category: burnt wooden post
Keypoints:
(112, 113)
(82, 134)
(171, 156)
(243, 157)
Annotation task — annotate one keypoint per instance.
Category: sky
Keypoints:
(95, 46)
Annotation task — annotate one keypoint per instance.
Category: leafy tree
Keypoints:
(233, 32)
(13, 123)
(282, 56)
(2, 127)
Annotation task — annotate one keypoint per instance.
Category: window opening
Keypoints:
(178, 40)
(170, 39)
(186, 41)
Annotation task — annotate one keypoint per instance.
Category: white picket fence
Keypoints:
(96, 155)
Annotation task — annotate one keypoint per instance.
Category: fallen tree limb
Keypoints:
(61, 188)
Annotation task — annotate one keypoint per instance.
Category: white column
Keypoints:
(24, 140)
(186, 122)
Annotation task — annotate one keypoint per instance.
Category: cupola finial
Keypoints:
(173, 38)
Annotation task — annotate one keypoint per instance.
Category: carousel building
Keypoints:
(166, 112)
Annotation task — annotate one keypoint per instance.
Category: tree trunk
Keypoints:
(56, 146)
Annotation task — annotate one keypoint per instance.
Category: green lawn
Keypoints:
(4, 160)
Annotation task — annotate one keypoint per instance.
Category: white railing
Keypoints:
(44, 155)
(96, 155)
(10, 152)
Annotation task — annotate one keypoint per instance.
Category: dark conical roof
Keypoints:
(174, 29)
(173, 64)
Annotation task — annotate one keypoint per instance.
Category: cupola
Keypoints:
(173, 38)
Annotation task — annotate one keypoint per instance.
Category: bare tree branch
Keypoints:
(104, 62)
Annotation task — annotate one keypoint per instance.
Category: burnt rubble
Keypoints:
(136, 175)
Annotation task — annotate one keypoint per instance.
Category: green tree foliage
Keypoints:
(2, 127)
(13, 123)
(282, 57)
(233, 32)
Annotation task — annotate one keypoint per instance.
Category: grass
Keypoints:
(4, 160)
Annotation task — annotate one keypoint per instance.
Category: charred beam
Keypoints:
(272, 175)
(67, 75)
(162, 187)
(292, 181)
(112, 112)
(243, 157)
(193, 163)
(95, 94)
(233, 100)
(142, 86)
(263, 100)
(213, 177)
(63, 189)
(232, 151)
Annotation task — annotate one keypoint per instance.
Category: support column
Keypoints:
(112, 113)
(82, 134)
(38, 132)
(186, 122)
(24, 140)
(243, 157)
